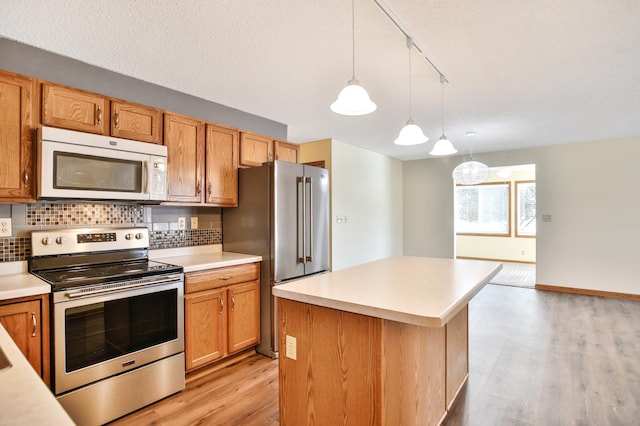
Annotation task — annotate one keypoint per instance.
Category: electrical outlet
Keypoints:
(5, 227)
(291, 349)
(182, 223)
(194, 222)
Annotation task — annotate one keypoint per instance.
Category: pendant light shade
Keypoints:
(443, 146)
(411, 134)
(353, 99)
(470, 173)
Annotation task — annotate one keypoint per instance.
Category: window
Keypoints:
(526, 209)
(483, 209)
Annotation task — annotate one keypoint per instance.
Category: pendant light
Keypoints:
(411, 133)
(353, 99)
(470, 172)
(443, 146)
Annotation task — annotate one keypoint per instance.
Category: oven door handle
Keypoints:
(83, 292)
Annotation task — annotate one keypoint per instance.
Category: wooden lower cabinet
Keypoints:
(378, 371)
(205, 323)
(222, 313)
(457, 332)
(27, 322)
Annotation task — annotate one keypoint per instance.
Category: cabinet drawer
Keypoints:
(220, 277)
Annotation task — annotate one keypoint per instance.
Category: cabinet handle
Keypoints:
(233, 302)
(199, 189)
(227, 278)
(99, 114)
(270, 157)
(26, 178)
(209, 189)
(221, 306)
(117, 119)
(35, 324)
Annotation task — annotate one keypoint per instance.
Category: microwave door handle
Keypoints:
(145, 177)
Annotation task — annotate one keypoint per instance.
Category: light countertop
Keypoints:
(202, 257)
(415, 290)
(24, 398)
(16, 281)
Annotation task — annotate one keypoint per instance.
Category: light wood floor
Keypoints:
(536, 358)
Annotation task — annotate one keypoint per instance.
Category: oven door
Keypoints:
(99, 336)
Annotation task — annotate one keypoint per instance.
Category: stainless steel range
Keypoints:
(117, 320)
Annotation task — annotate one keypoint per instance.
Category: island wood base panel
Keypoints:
(356, 369)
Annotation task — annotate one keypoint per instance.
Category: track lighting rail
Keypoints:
(410, 38)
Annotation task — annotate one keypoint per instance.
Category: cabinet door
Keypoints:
(74, 109)
(286, 151)
(221, 166)
(137, 122)
(205, 323)
(255, 149)
(22, 322)
(16, 132)
(244, 315)
(184, 138)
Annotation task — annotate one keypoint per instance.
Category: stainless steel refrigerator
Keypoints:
(283, 216)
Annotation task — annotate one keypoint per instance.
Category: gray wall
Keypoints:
(590, 191)
(23, 59)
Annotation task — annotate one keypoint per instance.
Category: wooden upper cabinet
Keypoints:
(255, 149)
(16, 137)
(74, 109)
(286, 151)
(137, 122)
(184, 138)
(221, 166)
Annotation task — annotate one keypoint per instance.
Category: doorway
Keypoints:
(496, 220)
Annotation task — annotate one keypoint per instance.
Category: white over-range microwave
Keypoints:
(85, 166)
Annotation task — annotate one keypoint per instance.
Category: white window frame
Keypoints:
(504, 230)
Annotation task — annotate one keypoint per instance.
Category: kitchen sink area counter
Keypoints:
(385, 342)
(199, 258)
(24, 398)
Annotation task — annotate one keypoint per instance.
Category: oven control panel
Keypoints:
(97, 237)
(69, 240)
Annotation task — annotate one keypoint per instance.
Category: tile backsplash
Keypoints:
(164, 219)
(64, 215)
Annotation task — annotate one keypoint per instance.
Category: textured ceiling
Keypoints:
(522, 73)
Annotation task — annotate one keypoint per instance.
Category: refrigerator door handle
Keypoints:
(309, 180)
(300, 183)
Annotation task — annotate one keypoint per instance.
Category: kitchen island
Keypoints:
(384, 343)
